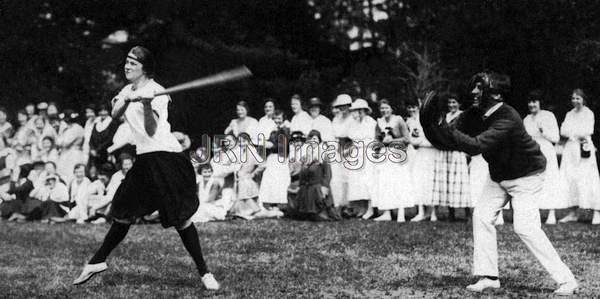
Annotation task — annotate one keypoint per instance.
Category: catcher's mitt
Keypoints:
(432, 120)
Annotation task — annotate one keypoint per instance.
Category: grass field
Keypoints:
(285, 259)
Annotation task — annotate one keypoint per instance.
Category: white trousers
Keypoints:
(523, 193)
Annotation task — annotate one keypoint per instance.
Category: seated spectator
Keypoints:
(90, 121)
(78, 196)
(246, 203)
(7, 159)
(99, 199)
(54, 197)
(212, 207)
(48, 151)
(22, 155)
(13, 201)
(313, 200)
(22, 132)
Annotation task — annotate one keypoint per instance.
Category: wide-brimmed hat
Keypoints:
(360, 104)
(314, 102)
(342, 100)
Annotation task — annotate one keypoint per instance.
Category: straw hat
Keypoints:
(342, 100)
(360, 104)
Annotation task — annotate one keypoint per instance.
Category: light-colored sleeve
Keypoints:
(60, 193)
(550, 127)
(566, 126)
(160, 105)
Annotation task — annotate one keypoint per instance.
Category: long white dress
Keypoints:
(543, 128)
(423, 167)
(339, 174)
(393, 185)
(360, 169)
(580, 174)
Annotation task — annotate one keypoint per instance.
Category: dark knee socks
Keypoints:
(115, 235)
(190, 239)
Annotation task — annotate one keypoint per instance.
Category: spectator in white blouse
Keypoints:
(90, 121)
(319, 122)
(266, 125)
(301, 121)
(244, 123)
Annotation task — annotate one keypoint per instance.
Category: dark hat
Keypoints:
(38, 163)
(297, 136)
(314, 102)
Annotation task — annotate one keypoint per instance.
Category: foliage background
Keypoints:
(60, 51)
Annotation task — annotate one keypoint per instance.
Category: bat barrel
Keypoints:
(222, 77)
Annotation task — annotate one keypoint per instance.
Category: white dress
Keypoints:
(323, 125)
(580, 174)
(301, 122)
(543, 128)
(275, 180)
(209, 210)
(392, 185)
(423, 164)
(360, 169)
(339, 173)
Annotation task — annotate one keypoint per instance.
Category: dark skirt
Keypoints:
(51, 209)
(7, 208)
(162, 181)
(310, 203)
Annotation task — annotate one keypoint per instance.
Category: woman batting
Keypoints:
(161, 178)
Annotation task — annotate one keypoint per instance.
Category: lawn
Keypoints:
(285, 258)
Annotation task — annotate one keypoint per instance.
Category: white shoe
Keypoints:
(209, 281)
(433, 218)
(551, 221)
(368, 214)
(418, 218)
(89, 271)
(568, 218)
(596, 218)
(384, 217)
(99, 221)
(567, 289)
(484, 283)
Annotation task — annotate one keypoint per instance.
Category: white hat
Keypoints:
(342, 100)
(360, 104)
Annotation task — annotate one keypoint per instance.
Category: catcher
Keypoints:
(495, 129)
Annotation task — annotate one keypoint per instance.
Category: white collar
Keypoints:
(492, 110)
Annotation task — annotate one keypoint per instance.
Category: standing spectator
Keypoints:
(543, 128)
(392, 184)
(101, 137)
(90, 121)
(360, 176)
(341, 124)
(244, 123)
(6, 129)
(301, 121)
(266, 125)
(70, 141)
(423, 165)
(318, 121)
(451, 186)
(41, 129)
(579, 168)
(276, 177)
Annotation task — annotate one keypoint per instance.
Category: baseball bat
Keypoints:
(222, 77)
